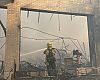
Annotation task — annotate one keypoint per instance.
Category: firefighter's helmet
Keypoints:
(49, 44)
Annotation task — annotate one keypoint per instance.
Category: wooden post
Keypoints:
(12, 49)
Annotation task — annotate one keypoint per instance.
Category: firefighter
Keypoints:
(77, 57)
(50, 59)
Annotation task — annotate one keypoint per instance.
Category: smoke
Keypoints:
(75, 27)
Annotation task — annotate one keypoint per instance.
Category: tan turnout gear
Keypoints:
(50, 59)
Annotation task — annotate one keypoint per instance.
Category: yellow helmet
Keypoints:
(49, 44)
